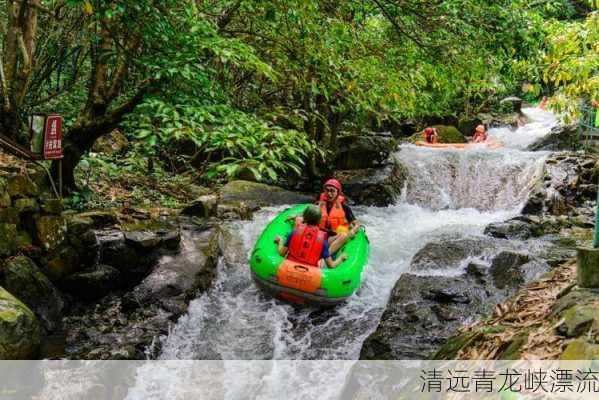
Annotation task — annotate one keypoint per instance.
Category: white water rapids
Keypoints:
(449, 191)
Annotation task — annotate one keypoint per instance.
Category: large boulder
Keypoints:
(511, 229)
(374, 186)
(448, 252)
(363, 151)
(561, 137)
(424, 310)
(177, 278)
(446, 134)
(256, 195)
(570, 180)
(19, 329)
(113, 143)
(22, 278)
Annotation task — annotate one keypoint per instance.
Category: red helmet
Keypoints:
(428, 131)
(334, 183)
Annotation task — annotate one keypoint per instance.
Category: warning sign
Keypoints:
(53, 138)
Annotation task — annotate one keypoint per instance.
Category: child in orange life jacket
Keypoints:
(307, 243)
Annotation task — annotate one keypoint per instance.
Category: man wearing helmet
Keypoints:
(337, 218)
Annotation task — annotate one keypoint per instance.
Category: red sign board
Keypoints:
(53, 138)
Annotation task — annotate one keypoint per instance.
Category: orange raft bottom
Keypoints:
(295, 275)
(489, 144)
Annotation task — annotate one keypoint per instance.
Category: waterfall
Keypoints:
(455, 192)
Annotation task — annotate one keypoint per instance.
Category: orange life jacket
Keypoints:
(335, 219)
(430, 138)
(306, 244)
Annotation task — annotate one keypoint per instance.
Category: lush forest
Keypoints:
(207, 90)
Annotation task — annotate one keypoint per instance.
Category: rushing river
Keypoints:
(449, 191)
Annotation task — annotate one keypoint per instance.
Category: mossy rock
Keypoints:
(21, 186)
(446, 134)
(513, 350)
(453, 345)
(449, 134)
(52, 206)
(8, 243)
(579, 349)
(23, 278)
(51, 231)
(579, 320)
(26, 205)
(19, 329)
(65, 262)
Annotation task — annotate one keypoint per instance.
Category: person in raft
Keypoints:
(480, 134)
(430, 135)
(337, 218)
(307, 243)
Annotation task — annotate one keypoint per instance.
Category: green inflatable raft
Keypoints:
(301, 284)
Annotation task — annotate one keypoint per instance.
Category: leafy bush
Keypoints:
(225, 142)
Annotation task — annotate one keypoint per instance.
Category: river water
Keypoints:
(455, 192)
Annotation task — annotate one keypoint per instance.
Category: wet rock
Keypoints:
(129, 327)
(180, 275)
(374, 187)
(22, 278)
(423, 311)
(515, 103)
(511, 229)
(19, 329)
(8, 244)
(230, 210)
(363, 151)
(505, 269)
(445, 253)
(115, 251)
(256, 195)
(50, 231)
(568, 183)
(142, 239)
(203, 207)
(561, 137)
(94, 283)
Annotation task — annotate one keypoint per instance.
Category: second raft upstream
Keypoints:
(303, 284)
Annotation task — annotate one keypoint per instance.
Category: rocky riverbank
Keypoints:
(106, 284)
(426, 308)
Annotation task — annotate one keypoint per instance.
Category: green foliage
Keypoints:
(225, 141)
(572, 63)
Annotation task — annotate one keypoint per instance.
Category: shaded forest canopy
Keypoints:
(216, 88)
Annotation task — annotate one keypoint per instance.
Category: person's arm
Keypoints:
(334, 263)
(281, 248)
